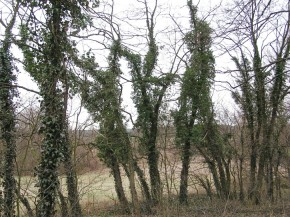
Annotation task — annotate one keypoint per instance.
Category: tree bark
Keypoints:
(71, 176)
(7, 119)
(71, 180)
(154, 173)
(118, 183)
(52, 104)
(144, 184)
(63, 204)
(135, 201)
(8, 136)
(183, 194)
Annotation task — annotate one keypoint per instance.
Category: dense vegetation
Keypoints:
(85, 53)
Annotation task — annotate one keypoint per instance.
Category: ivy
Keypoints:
(7, 118)
(101, 98)
(46, 49)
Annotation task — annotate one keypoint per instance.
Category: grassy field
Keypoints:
(95, 189)
(98, 197)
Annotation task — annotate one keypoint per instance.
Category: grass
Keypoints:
(95, 189)
(200, 205)
(98, 198)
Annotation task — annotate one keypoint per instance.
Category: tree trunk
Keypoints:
(241, 182)
(212, 168)
(153, 157)
(142, 179)
(253, 168)
(259, 183)
(71, 176)
(1, 202)
(135, 201)
(270, 179)
(118, 184)
(25, 202)
(7, 119)
(7, 127)
(71, 180)
(63, 205)
(154, 173)
(183, 194)
(223, 180)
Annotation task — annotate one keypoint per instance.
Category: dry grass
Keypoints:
(96, 189)
(98, 197)
(200, 205)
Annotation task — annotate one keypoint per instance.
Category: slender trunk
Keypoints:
(183, 194)
(1, 202)
(154, 173)
(241, 182)
(277, 175)
(8, 181)
(212, 167)
(227, 166)
(270, 177)
(253, 169)
(135, 201)
(71, 176)
(129, 170)
(25, 202)
(142, 179)
(63, 204)
(153, 156)
(223, 180)
(214, 173)
(265, 159)
(71, 180)
(259, 183)
(118, 184)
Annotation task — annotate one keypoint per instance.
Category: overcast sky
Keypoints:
(167, 10)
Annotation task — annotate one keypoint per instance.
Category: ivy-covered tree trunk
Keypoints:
(50, 150)
(45, 64)
(183, 191)
(52, 104)
(103, 101)
(194, 101)
(7, 120)
(7, 127)
(118, 183)
(149, 91)
(46, 61)
(142, 179)
(152, 158)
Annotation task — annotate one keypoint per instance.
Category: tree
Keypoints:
(259, 32)
(149, 91)
(7, 115)
(194, 103)
(46, 56)
(102, 99)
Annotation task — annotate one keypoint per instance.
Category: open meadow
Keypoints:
(98, 196)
